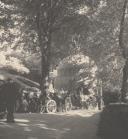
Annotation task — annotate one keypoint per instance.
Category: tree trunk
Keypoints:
(45, 64)
(124, 88)
(99, 91)
(124, 53)
(44, 36)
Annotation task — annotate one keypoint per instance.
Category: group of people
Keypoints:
(28, 102)
(83, 98)
(61, 98)
(11, 100)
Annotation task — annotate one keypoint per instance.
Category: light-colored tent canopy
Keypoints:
(21, 81)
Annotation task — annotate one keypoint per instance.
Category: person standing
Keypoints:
(2, 102)
(10, 91)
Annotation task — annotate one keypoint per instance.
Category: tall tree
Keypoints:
(124, 50)
(49, 15)
(46, 16)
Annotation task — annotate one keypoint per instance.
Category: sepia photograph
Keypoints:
(63, 69)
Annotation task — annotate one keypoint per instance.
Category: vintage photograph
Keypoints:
(63, 69)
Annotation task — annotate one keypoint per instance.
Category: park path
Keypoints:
(72, 125)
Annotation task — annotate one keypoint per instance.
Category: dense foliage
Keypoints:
(40, 34)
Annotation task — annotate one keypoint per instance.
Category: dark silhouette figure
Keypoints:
(2, 102)
(10, 92)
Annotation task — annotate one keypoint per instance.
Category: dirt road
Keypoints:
(71, 125)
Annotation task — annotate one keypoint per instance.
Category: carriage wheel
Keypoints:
(51, 106)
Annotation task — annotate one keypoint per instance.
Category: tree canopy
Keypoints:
(40, 34)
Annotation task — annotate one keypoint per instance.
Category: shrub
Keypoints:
(111, 97)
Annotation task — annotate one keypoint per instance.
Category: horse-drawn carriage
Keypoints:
(56, 102)
(53, 102)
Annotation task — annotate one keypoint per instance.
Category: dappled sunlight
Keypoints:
(81, 113)
(45, 127)
(32, 138)
(41, 121)
(18, 122)
(27, 129)
(4, 124)
(21, 124)
(52, 126)
(22, 120)
(25, 126)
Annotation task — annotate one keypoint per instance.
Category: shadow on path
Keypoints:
(73, 125)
